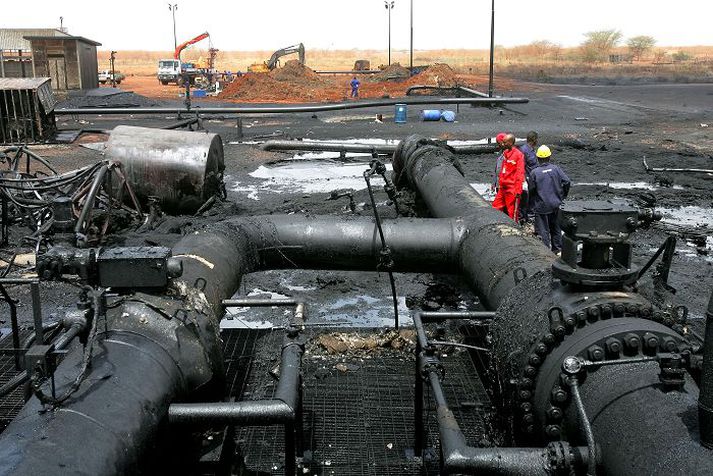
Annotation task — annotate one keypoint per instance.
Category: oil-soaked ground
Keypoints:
(599, 135)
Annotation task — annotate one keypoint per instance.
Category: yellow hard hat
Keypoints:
(543, 152)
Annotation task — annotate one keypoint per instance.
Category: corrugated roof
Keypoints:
(67, 37)
(13, 38)
(22, 83)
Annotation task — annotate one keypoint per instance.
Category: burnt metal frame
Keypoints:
(36, 313)
(457, 457)
(285, 408)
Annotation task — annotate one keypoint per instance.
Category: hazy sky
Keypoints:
(346, 24)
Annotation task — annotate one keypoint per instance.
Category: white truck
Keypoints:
(169, 71)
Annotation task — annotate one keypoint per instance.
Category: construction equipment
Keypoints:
(172, 70)
(275, 59)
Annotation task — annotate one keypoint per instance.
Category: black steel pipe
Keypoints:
(343, 147)
(280, 410)
(286, 109)
(460, 458)
(496, 250)
(512, 272)
(705, 400)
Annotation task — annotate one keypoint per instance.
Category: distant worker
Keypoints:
(498, 162)
(549, 186)
(510, 179)
(528, 150)
(354, 83)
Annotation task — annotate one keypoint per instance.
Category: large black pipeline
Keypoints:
(343, 147)
(497, 252)
(705, 400)
(512, 272)
(287, 109)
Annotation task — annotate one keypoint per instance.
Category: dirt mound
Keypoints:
(295, 72)
(262, 87)
(437, 74)
(393, 72)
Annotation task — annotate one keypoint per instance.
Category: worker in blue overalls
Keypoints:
(354, 83)
(549, 186)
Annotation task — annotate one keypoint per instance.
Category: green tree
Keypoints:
(640, 45)
(598, 44)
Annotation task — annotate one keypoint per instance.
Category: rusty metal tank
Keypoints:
(182, 169)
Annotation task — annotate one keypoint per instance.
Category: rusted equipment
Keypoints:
(26, 110)
(182, 169)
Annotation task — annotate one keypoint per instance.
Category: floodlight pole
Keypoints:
(389, 5)
(173, 8)
(492, 49)
(411, 52)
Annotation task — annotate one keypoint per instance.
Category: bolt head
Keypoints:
(572, 365)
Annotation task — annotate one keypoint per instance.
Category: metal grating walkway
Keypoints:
(358, 410)
(12, 403)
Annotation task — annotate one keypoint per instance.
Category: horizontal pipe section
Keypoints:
(460, 458)
(286, 109)
(281, 409)
(364, 148)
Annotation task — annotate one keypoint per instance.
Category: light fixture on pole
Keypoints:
(173, 7)
(389, 5)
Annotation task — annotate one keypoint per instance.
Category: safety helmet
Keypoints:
(500, 137)
(543, 152)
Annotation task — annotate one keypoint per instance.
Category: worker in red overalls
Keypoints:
(511, 178)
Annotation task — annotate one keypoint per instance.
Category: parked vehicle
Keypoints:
(105, 77)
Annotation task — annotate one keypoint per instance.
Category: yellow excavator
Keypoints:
(267, 66)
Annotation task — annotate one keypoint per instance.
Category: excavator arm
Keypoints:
(184, 45)
(300, 49)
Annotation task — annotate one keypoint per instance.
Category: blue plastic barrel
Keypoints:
(400, 114)
(431, 115)
(448, 116)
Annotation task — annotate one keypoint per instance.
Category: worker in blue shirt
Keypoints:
(549, 186)
(528, 150)
(354, 83)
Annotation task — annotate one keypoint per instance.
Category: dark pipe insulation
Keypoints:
(512, 272)
(119, 410)
(288, 109)
(364, 148)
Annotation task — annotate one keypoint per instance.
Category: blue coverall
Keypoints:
(549, 186)
(355, 87)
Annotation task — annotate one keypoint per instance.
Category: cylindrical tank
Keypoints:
(431, 115)
(448, 116)
(182, 169)
(400, 115)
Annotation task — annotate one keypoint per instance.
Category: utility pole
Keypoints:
(113, 75)
(173, 8)
(492, 49)
(389, 6)
(411, 52)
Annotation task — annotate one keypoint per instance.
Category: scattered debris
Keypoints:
(341, 343)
